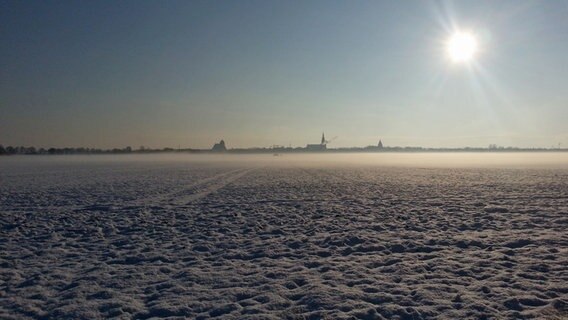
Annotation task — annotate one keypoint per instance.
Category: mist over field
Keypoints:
(553, 160)
(308, 236)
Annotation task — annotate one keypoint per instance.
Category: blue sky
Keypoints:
(259, 73)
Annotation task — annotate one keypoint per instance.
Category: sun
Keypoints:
(462, 47)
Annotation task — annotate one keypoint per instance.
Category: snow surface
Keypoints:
(293, 237)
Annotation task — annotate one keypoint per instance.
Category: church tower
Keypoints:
(380, 144)
(322, 138)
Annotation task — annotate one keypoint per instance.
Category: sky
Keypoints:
(106, 74)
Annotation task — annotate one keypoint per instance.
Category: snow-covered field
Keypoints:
(396, 236)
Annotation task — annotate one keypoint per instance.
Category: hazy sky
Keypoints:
(258, 73)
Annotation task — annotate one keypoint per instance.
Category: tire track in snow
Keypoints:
(209, 189)
(167, 197)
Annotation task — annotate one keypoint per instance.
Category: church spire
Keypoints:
(322, 138)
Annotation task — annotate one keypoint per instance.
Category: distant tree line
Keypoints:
(10, 150)
(33, 150)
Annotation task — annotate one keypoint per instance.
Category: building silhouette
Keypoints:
(380, 145)
(219, 147)
(318, 147)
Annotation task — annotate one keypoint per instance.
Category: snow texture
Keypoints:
(258, 240)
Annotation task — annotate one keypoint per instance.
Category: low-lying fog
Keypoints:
(553, 160)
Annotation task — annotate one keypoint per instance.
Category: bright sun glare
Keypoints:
(462, 47)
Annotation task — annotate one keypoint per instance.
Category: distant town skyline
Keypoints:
(261, 73)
